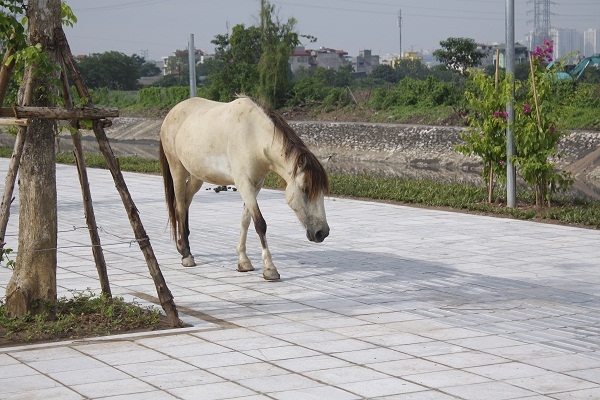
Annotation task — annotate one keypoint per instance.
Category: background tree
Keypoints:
(411, 68)
(236, 70)
(278, 41)
(112, 70)
(171, 80)
(32, 287)
(148, 68)
(459, 54)
(521, 71)
(385, 73)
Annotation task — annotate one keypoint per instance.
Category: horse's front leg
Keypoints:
(269, 271)
(249, 192)
(244, 264)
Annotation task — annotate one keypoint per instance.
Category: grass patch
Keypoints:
(457, 196)
(127, 163)
(83, 314)
(435, 115)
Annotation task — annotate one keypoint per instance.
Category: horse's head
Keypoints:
(305, 194)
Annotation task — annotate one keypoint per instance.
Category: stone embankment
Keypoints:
(384, 149)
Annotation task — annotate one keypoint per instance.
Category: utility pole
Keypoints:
(541, 22)
(400, 30)
(192, 65)
(262, 18)
(511, 185)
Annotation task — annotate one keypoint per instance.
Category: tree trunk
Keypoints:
(32, 287)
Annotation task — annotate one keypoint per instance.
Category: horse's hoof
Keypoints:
(245, 266)
(271, 275)
(188, 261)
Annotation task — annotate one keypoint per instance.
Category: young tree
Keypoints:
(459, 54)
(32, 286)
(486, 134)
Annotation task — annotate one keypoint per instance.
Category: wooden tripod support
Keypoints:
(18, 116)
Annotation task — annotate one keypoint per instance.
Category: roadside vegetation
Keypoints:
(454, 196)
(83, 314)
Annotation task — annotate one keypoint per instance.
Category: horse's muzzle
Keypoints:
(319, 235)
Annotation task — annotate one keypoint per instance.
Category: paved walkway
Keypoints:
(398, 303)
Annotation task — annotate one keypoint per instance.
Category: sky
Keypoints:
(156, 28)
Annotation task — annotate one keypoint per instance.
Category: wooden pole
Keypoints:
(496, 85)
(497, 68)
(5, 73)
(535, 97)
(164, 294)
(13, 166)
(90, 216)
(538, 191)
(59, 112)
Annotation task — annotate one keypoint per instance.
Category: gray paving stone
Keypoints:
(430, 305)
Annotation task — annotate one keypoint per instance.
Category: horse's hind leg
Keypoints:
(184, 192)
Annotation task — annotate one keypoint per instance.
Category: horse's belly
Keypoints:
(212, 169)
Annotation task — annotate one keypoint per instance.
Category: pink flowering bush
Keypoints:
(538, 130)
(543, 55)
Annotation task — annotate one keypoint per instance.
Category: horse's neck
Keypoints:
(282, 166)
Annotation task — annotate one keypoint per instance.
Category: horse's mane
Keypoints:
(316, 179)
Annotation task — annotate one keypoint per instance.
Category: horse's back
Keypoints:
(208, 136)
(180, 115)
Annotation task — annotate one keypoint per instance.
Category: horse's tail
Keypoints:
(169, 189)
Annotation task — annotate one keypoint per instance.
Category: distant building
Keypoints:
(323, 57)
(407, 55)
(490, 54)
(566, 42)
(521, 54)
(172, 65)
(365, 62)
(591, 42)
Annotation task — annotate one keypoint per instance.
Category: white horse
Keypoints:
(238, 143)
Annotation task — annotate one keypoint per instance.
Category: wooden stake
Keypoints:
(5, 73)
(59, 112)
(88, 207)
(497, 67)
(535, 99)
(14, 121)
(13, 166)
(164, 294)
